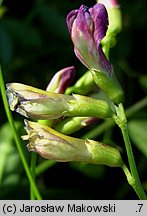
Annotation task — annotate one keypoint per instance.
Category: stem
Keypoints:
(121, 120)
(16, 137)
(128, 175)
(137, 184)
(32, 168)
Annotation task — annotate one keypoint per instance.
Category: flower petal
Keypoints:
(100, 19)
(70, 19)
(61, 80)
(84, 22)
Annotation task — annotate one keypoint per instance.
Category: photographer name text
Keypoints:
(70, 208)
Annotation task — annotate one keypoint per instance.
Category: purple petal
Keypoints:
(84, 21)
(105, 64)
(100, 19)
(66, 78)
(70, 19)
(61, 80)
(88, 27)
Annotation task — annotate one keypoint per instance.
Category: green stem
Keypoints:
(16, 137)
(32, 168)
(121, 120)
(128, 175)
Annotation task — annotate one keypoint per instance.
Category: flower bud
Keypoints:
(61, 80)
(38, 104)
(59, 83)
(35, 103)
(83, 86)
(53, 145)
(88, 27)
(71, 125)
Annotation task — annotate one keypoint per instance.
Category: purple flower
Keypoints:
(61, 80)
(88, 27)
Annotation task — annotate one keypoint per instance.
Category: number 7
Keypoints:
(140, 207)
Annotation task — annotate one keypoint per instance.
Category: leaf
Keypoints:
(138, 134)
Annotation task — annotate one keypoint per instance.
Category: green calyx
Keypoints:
(104, 154)
(109, 85)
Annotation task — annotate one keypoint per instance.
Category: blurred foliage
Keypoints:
(138, 129)
(34, 44)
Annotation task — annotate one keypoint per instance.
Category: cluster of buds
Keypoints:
(87, 26)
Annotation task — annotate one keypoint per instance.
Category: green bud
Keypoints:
(53, 145)
(38, 104)
(71, 125)
(83, 86)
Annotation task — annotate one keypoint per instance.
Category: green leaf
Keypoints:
(138, 134)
